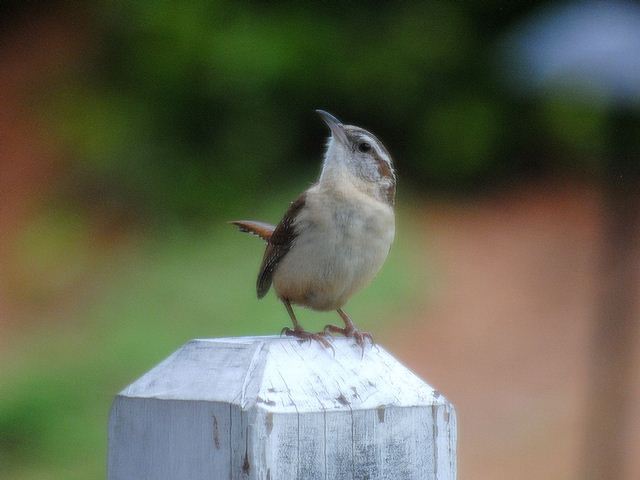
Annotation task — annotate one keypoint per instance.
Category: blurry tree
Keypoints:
(188, 109)
(587, 51)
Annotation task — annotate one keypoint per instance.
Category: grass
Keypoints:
(58, 379)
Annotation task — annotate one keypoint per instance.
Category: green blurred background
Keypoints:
(131, 131)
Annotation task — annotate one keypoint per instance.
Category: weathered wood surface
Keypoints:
(272, 408)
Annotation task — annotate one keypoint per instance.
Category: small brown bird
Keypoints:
(335, 237)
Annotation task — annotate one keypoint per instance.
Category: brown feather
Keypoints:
(278, 246)
(260, 229)
(385, 171)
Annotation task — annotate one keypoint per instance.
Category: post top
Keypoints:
(283, 375)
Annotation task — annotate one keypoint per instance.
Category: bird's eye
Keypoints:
(364, 147)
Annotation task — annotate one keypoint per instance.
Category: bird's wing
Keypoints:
(260, 229)
(278, 246)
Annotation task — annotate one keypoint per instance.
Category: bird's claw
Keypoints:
(305, 336)
(360, 337)
(329, 329)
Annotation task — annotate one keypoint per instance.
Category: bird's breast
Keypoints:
(342, 241)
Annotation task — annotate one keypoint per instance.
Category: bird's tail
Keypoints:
(260, 229)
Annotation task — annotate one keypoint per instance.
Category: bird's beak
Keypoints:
(336, 127)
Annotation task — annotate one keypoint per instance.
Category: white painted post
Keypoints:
(270, 408)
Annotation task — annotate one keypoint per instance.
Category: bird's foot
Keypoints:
(360, 337)
(305, 336)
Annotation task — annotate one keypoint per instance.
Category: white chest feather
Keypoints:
(343, 238)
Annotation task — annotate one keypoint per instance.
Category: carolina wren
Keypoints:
(335, 237)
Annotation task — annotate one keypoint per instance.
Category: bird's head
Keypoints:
(356, 153)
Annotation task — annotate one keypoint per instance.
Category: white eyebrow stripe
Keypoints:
(375, 143)
(366, 138)
(385, 157)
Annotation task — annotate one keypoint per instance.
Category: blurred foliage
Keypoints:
(191, 109)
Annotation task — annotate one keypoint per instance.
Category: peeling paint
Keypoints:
(381, 412)
(268, 422)
(434, 414)
(216, 434)
(245, 465)
(343, 400)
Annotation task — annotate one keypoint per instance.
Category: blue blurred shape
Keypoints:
(588, 49)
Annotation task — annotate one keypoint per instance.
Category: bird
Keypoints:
(335, 236)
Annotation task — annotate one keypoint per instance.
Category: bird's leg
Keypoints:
(300, 332)
(349, 329)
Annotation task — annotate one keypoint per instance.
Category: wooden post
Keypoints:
(270, 408)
